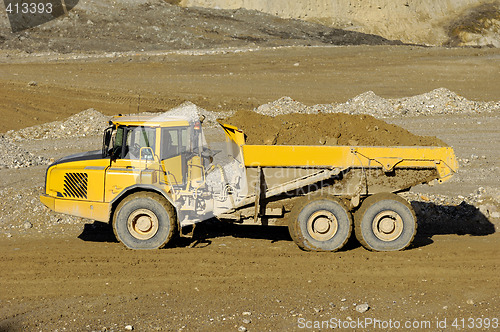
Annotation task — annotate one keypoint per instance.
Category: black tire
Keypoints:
(144, 221)
(385, 222)
(322, 224)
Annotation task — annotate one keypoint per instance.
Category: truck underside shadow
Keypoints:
(463, 219)
(433, 219)
(97, 232)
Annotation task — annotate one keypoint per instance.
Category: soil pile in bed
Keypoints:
(324, 129)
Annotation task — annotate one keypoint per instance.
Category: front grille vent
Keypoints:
(75, 185)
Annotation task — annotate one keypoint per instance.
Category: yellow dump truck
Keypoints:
(155, 176)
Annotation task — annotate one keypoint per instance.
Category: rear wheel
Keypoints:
(321, 225)
(385, 222)
(144, 221)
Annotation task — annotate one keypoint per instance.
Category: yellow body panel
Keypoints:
(173, 167)
(122, 174)
(67, 180)
(233, 133)
(347, 156)
(92, 210)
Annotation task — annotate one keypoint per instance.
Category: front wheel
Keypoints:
(385, 222)
(321, 225)
(144, 221)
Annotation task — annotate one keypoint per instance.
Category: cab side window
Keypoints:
(173, 142)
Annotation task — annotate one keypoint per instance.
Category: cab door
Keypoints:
(133, 160)
(173, 154)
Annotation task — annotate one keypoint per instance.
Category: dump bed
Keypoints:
(376, 169)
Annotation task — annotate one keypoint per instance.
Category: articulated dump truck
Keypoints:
(155, 179)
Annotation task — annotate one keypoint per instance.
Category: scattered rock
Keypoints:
(129, 327)
(95, 122)
(27, 225)
(361, 308)
(32, 83)
(13, 156)
(242, 329)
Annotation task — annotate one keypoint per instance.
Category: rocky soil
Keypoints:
(117, 26)
(458, 23)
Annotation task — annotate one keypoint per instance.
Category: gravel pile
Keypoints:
(192, 112)
(13, 156)
(21, 212)
(438, 101)
(87, 123)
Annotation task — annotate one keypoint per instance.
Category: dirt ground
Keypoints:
(77, 277)
(123, 83)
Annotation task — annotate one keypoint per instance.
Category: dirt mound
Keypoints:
(156, 25)
(325, 129)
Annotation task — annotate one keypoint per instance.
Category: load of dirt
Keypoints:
(324, 129)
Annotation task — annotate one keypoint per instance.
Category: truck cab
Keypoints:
(164, 158)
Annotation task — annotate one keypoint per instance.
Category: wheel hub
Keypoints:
(142, 224)
(322, 225)
(387, 225)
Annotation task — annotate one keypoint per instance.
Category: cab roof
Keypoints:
(150, 121)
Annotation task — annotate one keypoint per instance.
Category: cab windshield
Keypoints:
(130, 141)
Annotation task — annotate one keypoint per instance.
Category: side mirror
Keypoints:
(106, 141)
(146, 153)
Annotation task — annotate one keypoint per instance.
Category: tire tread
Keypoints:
(358, 216)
